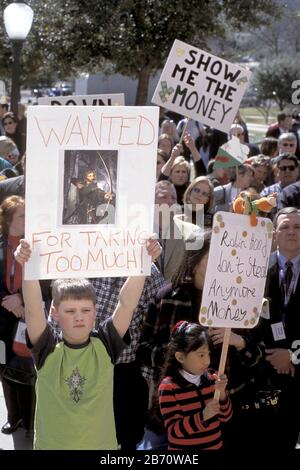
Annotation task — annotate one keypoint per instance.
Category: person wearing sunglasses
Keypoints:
(288, 173)
(199, 197)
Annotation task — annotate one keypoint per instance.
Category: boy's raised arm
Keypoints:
(130, 294)
(34, 311)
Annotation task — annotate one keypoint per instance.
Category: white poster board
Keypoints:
(236, 273)
(71, 234)
(201, 86)
(112, 99)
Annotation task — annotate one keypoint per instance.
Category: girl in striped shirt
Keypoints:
(192, 417)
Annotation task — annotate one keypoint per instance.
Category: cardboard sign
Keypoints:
(236, 273)
(90, 178)
(231, 153)
(201, 86)
(113, 99)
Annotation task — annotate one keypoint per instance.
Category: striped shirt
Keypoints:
(182, 404)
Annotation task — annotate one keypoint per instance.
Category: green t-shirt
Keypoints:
(74, 389)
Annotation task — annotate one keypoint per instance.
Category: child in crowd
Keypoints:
(74, 387)
(191, 415)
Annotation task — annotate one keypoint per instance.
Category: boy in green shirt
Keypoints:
(74, 386)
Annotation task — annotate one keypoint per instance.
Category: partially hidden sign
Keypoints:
(236, 273)
(112, 99)
(90, 178)
(231, 153)
(201, 86)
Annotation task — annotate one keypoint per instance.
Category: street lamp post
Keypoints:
(18, 19)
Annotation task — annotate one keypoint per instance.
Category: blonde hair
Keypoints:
(75, 289)
(180, 160)
(200, 179)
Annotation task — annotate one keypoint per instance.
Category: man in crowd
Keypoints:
(279, 330)
(287, 165)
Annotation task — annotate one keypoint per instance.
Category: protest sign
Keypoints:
(112, 99)
(201, 86)
(90, 178)
(236, 272)
(231, 153)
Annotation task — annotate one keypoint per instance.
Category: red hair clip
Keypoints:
(178, 325)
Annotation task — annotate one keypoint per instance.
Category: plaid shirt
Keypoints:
(107, 296)
(164, 312)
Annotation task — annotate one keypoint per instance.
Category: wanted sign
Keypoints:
(89, 190)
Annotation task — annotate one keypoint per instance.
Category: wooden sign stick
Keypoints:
(183, 130)
(223, 358)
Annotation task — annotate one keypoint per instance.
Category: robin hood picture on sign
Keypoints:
(89, 189)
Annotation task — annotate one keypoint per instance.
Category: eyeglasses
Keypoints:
(287, 168)
(288, 144)
(7, 123)
(200, 192)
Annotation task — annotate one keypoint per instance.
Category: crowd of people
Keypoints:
(116, 363)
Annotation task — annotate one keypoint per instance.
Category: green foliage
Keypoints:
(131, 35)
(273, 80)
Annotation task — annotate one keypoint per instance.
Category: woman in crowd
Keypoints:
(18, 373)
(178, 170)
(198, 197)
(169, 127)
(10, 125)
(165, 143)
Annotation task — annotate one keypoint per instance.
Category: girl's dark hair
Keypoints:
(191, 259)
(185, 337)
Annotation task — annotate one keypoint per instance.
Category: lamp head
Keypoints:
(18, 19)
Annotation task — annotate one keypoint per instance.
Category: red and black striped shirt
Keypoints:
(182, 404)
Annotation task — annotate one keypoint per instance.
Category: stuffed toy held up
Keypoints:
(243, 205)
